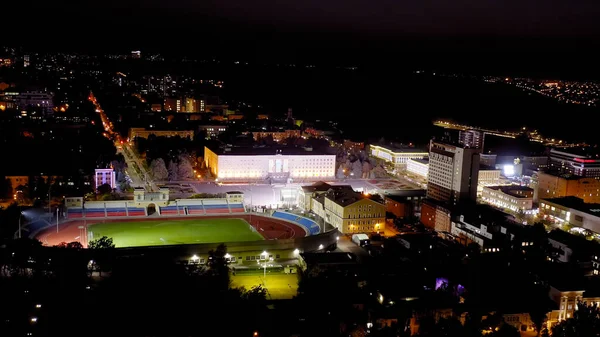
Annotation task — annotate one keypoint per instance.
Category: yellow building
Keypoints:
(353, 212)
(567, 185)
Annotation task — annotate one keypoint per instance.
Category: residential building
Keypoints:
(516, 198)
(578, 162)
(105, 176)
(405, 203)
(40, 99)
(354, 212)
(306, 193)
(278, 136)
(144, 133)
(269, 163)
(213, 130)
(471, 139)
(551, 185)
(435, 215)
(453, 173)
(398, 156)
(490, 229)
(184, 104)
(418, 167)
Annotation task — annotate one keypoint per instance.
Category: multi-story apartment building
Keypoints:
(453, 173)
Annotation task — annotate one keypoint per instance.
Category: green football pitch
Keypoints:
(159, 232)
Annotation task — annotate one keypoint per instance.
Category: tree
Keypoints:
(585, 322)
(357, 169)
(173, 171)
(102, 251)
(102, 243)
(341, 172)
(104, 189)
(159, 169)
(185, 168)
(366, 168)
(506, 330)
(218, 269)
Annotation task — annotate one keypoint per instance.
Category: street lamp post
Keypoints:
(265, 254)
(57, 220)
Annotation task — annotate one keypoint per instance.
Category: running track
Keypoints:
(269, 228)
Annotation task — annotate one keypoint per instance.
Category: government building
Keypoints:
(268, 163)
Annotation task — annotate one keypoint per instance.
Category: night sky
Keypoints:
(533, 29)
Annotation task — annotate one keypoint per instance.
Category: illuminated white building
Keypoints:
(453, 173)
(487, 177)
(105, 176)
(265, 163)
(514, 197)
(419, 167)
(398, 156)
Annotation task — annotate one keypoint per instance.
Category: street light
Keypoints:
(265, 254)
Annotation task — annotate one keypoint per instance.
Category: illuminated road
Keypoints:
(140, 178)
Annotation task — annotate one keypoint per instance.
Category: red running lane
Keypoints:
(269, 228)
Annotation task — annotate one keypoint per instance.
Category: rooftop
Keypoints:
(401, 195)
(514, 190)
(319, 186)
(577, 204)
(346, 196)
(567, 176)
(264, 151)
(422, 161)
(400, 148)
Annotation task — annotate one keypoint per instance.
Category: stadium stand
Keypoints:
(170, 210)
(237, 208)
(195, 209)
(217, 206)
(74, 213)
(116, 211)
(136, 211)
(95, 212)
(312, 227)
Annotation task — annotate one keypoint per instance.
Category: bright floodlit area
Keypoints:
(279, 286)
(174, 232)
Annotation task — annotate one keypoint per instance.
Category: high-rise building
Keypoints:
(453, 173)
(471, 138)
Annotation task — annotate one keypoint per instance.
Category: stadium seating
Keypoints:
(117, 211)
(170, 210)
(74, 213)
(216, 206)
(195, 209)
(312, 227)
(95, 212)
(237, 208)
(136, 211)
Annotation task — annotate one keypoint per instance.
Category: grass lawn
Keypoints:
(174, 232)
(279, 286)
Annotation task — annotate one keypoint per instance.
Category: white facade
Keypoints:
(276, 166)
(453, 173)
(487, 178)
(501, 196)
(417, 167)
(105, 176)
(398, 157)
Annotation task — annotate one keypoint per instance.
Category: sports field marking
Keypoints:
(170, 232)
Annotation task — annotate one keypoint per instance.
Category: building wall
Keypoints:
(442, 220)
(399, 158)
(551, 186)
(363, 216)
(453, 172)
(428, 213)
(572, 216)
(418, 168)
(277, 136)
(143, 133)
(500, 199)
(307, 166)
(399, 209)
